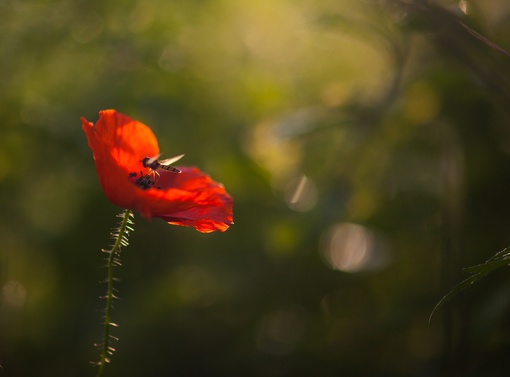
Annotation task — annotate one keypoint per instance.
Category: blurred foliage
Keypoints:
(366, 144)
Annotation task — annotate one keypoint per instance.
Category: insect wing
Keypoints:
(171, 160)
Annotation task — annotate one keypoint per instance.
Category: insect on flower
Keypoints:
(191, 198)
(146, 181)
(154, 164)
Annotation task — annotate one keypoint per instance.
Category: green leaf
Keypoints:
(478, 272)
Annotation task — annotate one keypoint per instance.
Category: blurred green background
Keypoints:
(367, 148)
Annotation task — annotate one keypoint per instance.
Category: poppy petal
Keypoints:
(196, 200)
(116, 142)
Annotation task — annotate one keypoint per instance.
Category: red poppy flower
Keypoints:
(120, 146)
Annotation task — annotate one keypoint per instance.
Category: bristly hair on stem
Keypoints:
(120, 236)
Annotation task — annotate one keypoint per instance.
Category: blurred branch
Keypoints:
(456, 39)
(429, 9)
